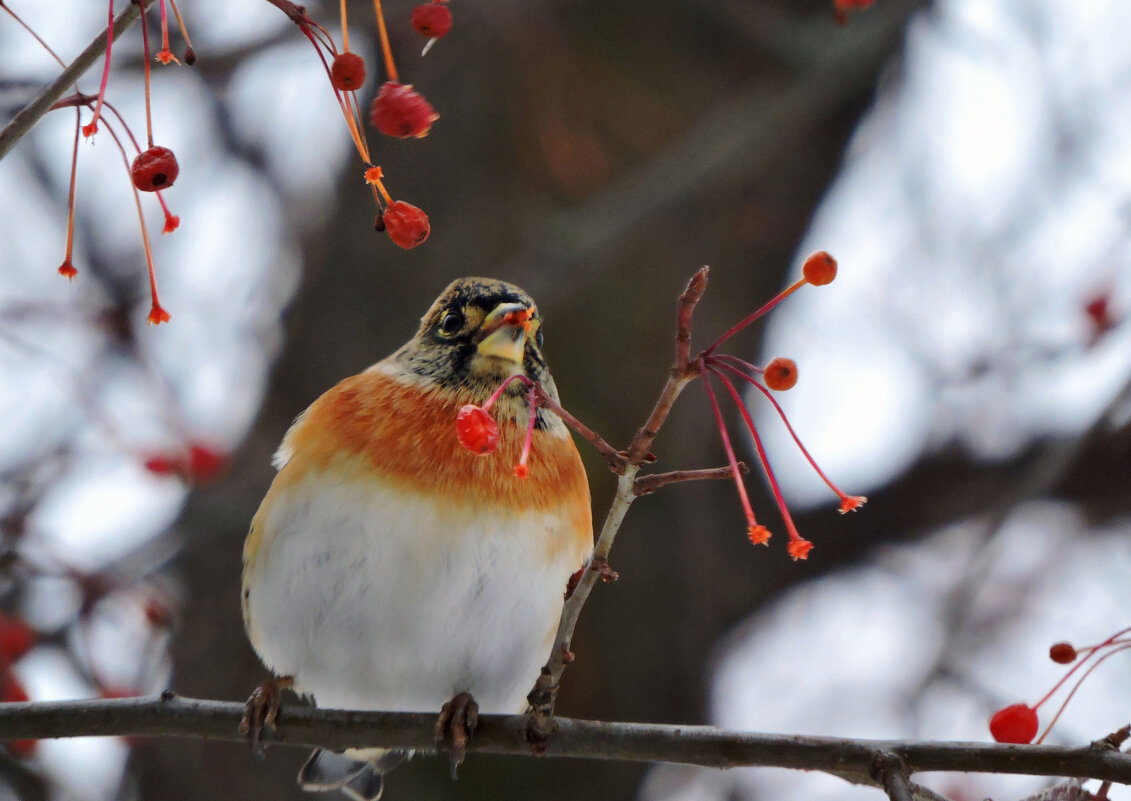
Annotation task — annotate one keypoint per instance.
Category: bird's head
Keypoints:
(479, 332)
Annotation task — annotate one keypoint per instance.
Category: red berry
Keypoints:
(1016, 723)
(154, 169)
(401, 111)
(432, 19)
(16, 639)
(781, 374)
(406, 225)
(819, 269)
(1062, 653)
(477, 430)
(205, 463)
(164, 465)
(347, 73)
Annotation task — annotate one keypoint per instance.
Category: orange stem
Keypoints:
(386, 50)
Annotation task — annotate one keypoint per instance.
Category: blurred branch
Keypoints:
(33, 112)
(853, 759)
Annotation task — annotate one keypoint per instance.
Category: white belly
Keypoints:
(378, 599)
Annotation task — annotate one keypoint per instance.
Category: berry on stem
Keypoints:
(477, 430)
(1062, 653)
(154, 169)
(819, 269)
(406, 224)
(433, 19)
(781, 374)
(347, 72)
(402, 112)
(1016, 723)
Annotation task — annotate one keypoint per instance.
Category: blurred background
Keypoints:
(967, 161)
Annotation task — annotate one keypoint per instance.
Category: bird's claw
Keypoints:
(458, 719)
(262, 710)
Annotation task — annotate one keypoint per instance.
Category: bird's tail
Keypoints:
(359, 779)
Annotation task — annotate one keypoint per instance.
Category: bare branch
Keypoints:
(170, 716)
(33, 112)
(645, 485)
(685, 309)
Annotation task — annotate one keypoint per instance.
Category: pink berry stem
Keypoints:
(762, 458)
(71, 191)
(532, 399)
(498, 392)
(145, 72)
(781, 413)
(92, 127)
(745, 321)
(743, 498)
(1075, 687)
(1094, 650)
(181, 25)
(156, 314)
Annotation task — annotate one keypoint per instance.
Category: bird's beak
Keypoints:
(503, 333)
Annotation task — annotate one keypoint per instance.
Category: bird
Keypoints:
(390, 568)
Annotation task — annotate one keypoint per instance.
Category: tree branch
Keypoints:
(855, 760)
(646, 485)
(33, 112)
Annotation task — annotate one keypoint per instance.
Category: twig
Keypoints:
(544, 693)
(33, 112)
(889, 770)
(613, 457)
(682, 372)
(170, 716)
(645, 485)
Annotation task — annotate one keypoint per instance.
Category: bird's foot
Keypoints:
(458, 719)
(262, 710)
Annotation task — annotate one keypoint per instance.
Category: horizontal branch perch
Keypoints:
(171, 716)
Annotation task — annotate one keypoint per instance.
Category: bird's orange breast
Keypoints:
(405, 435)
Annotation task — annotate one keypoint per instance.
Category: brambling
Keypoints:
(390, 568)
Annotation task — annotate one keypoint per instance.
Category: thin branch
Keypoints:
(891, 773)
(682, 372)
(545, 691)
(646, 485)
(170, 716)
(613, 457)
(33, 112)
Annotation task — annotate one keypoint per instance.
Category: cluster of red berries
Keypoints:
(778, 375)
(398, 110)
(1018, 723)
(153, 169)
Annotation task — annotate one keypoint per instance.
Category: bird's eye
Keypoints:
(538, 339)
(451, 323)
